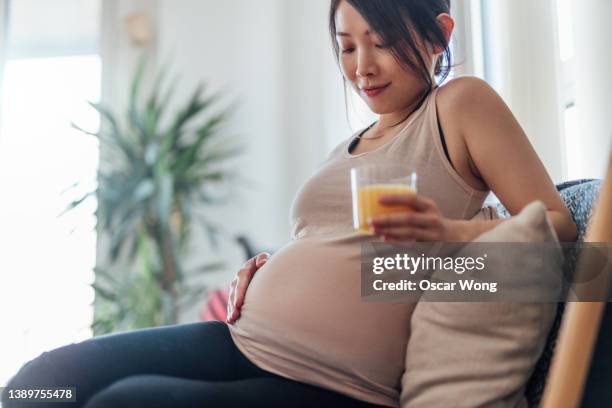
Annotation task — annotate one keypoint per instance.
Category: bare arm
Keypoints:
(504, 158)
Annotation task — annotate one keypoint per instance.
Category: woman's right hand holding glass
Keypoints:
(239, 285)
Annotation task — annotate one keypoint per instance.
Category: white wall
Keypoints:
(593, 84)
(313, 102)
(236, 46)
(275, 58)
(520, 44)
(467, 38)
(119, 55)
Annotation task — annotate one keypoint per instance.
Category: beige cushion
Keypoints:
(479, 354)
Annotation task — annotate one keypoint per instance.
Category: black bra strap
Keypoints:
(356, 140)
(442, 139)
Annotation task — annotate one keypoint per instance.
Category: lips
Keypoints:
(375, 90)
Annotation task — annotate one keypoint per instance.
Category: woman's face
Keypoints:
(366, 64)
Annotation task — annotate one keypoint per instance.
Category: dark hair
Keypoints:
(397, 22)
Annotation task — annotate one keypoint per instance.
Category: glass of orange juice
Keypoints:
(370, 182)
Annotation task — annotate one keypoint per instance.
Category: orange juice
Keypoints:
(369, 206)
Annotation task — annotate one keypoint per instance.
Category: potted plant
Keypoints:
(163, 169)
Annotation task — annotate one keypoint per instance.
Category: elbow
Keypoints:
(567, 231)
(564, 225)
(572, 232)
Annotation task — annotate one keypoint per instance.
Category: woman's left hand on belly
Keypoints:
(422, 221)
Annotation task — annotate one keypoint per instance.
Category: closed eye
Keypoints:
(379, 46)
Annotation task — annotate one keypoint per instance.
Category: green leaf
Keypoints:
(74, 204)
(154, 106)
(105, 275)
(104, 293)
(127, 228)
(188, 157)
(168, 308)
(215, 266)
(126, 147)
(102, 326)
(134, 116)
(221, 154)
(101, 137)
(144, 190)
(191, 110)
(164, 198)
(208, 198)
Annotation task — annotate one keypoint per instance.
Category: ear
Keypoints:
(448, 24)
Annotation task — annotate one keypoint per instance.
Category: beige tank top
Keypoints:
(303, 317)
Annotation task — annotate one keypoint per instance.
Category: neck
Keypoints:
(388, 120)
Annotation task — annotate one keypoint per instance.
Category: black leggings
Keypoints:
(192, 365)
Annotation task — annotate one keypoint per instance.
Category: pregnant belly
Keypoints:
(306, 300)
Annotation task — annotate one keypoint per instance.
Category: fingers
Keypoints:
(241, 289)
(412, 235)
(239, 285)
(228, 312)
(261, 259)
(393, 240)
(242, 284)
(229, 318)
(231, 300)
(421, 220)
(233, 315)
(409, 227)
(248, 267)
(233, 297)
(413, 200)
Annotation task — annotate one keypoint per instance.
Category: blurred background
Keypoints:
(176, 176)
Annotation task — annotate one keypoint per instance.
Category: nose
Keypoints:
(366, 64)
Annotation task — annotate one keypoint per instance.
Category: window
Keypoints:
(467, 41)
(565, 32)
(52, 69)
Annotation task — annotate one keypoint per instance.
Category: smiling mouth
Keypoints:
(374, 91)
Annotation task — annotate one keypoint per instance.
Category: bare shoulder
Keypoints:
(472, 104)
(498, 148)
(458, 102)
(466, 92)
(479, 126)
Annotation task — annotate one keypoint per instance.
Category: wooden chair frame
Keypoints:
(580, 326)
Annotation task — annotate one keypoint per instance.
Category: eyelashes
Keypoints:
(379, 46)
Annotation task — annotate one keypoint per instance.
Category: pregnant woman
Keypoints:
(304, 338)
